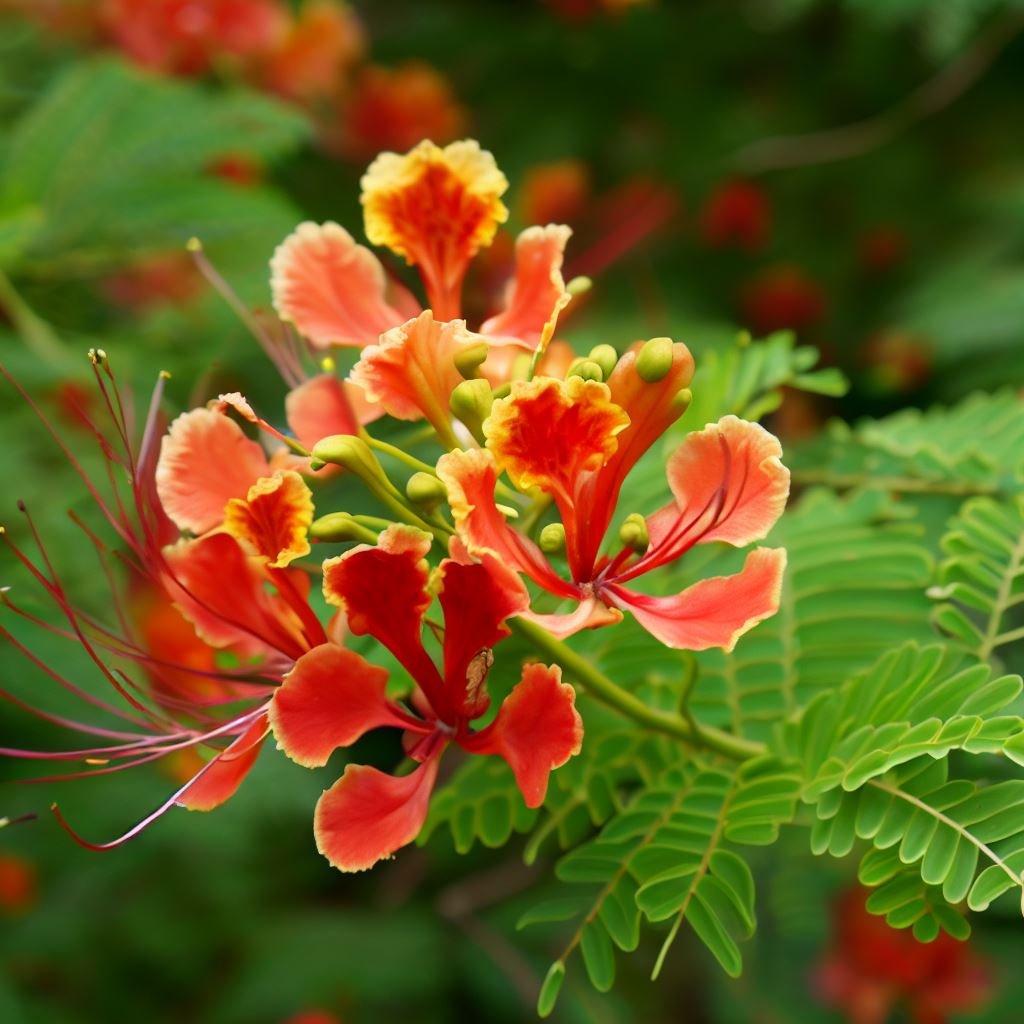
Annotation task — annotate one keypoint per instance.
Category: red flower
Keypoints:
(333, 696)
(873, 969)
(436, 208)
(737, 213)
(577, 440)
(780, 298)
(18, 884)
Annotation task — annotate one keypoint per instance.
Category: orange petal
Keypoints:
(537, 729)
(715, 612)
(331, 289)
(471, 478)
(368, 815)
(274, 518)
(548, 432)
(328, 700)
(437, 208)
(729, 485)
(220, 779)
(411, 373)
(590, 614)
(205, 461)
(537, 293)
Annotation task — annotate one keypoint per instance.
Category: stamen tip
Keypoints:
(193, 245)
(165, 374)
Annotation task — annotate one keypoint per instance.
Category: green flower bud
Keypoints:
(470, 358)
(471, 403)
(681, 401)
(352, 453)
(654, 360)
(579, 286)
(606, 357)
(552, 539)
(340, 526)
(425, 490)
(634, 533)
(587, 369)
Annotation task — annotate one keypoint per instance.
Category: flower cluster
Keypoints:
(220, 615)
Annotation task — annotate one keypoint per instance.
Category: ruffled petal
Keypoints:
(220, 779)
(273, 519)
(476, 599)
(411, 372)
(471, 478)
(383, 591)
(437, 208)
(328, 700)
(590, 614)
(368, 815)
(537, 729)
(715, 612)
(536, 295)
(332, 289)
(205, 461)
(222, 591)
(729, 485)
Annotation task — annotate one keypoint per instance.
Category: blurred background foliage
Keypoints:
(850, 172)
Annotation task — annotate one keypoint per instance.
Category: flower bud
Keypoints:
(470, 358)
(587, 369)
(633, 533)
(552, 539)
(606, 357)
(352, 453)
(340, 526)
(654, 360)
(471, 403)
(579, 286)
(681, 400)
(426, 491)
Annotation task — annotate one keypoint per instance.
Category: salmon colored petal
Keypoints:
(471, 478)
(537, 729)
(330, 288)
(383, 591)
(437, 208)
(273, 519)
(590, 614)
(548, 432)
(220, 779)
(476, 599)
(368, 815)
(328, 700)
(319, 408)
(536, 294)
(205, 461)
(411, 372)
(222, 591)
(729, 484)
(715, 612)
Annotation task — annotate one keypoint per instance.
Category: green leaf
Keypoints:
(550, 989)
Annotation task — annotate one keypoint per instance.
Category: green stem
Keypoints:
(396, 453)
(600, 687)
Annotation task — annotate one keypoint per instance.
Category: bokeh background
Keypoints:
(852, 171)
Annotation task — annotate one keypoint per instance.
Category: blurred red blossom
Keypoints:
(781, 297)
(739, 214)
(19, 883)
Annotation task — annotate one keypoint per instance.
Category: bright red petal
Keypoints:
(715, 612)
(471, 478)
(476, 599)
(536, 294)
(219, 780)
(368, 815)
(383, 591)
(205, 461)
(330, 288)
(537, 729)
(329, 699)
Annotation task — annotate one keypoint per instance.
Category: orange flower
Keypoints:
(18, 884)
(273, 519)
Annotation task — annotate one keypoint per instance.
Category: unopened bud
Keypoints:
(634, 533)
(340, 526)
(654, 360)
(579, 286)
(350, 452)
(425, 490)
(587, 369)
(681, 401)
(469, 359)
(606, 357)
(471, 403)
(552, 539)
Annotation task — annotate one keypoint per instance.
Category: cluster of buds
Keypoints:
(533, 447)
